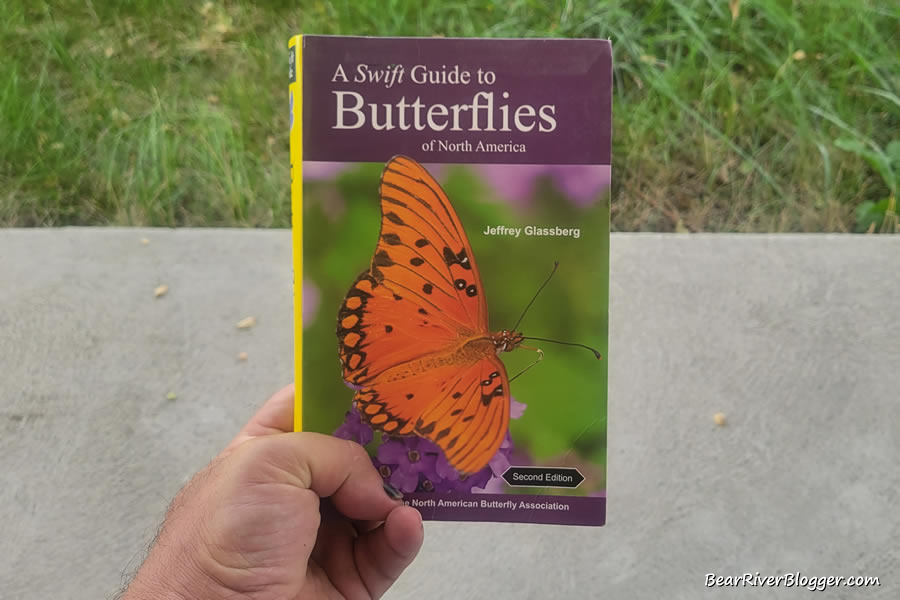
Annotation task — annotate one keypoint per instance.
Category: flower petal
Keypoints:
(443, 469)
(581, 183)
(499, 464)
(311, 299)
(354, 429)
(495, 486)
(404, 480)
(516, 409)
(393, 452)
(514, 183)
(316, 170)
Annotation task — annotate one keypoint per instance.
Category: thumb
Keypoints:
(329, 466)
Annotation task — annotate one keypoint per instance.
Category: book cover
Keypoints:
(450, 206)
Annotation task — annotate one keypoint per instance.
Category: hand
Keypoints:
(281, 515)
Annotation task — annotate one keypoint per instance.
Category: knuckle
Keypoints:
(356, 451)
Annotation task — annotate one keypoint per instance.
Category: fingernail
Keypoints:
(391, 491)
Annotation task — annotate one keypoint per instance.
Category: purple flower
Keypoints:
(354, 429)
(412, 461)
(437, 170)
(498, 465)
(516, 409)
(311, 298)
(353, 386)
(319, 171)
(495, 485)
(448, 479)
(516, 183)
(414, 464)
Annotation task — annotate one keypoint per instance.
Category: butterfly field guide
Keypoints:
(450, 203)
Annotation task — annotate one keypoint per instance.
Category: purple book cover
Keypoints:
(451, 262)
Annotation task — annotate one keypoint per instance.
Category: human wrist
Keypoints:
(167, 575)
(173, 569)
(173, 578)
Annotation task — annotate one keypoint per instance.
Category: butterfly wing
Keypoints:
(413, 331)
(422, 292)
(465, 411)
(378, 330)
(423, 250)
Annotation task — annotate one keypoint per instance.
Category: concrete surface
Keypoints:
(795, 338)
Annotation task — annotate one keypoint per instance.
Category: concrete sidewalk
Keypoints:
(795, 338)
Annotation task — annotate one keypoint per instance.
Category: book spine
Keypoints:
(295, 87)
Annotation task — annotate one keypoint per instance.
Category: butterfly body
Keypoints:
(506, 341)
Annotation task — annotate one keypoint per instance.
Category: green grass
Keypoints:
(174, 113)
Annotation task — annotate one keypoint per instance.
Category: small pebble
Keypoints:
(246, 323)
(161, 290)
(242, 356)
(719, 419)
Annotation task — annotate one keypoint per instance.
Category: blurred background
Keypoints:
(566, 393)
(729, 115)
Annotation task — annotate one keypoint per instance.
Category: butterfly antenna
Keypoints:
(543, 285)
(594, 350)
(539, 359)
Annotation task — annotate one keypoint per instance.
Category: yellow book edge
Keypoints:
(295, 44)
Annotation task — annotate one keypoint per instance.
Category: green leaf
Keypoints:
(876, 158)
(893, 152)
(869, 212)
(851, 145)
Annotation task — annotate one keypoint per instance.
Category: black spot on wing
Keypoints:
(460, 258)
(486, 398)
(393, 218)
(382, 259)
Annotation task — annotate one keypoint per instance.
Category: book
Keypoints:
(450, 215)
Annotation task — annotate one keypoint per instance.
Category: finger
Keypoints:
(331, 467)
(382, 554)
(334, 552)
(363, 526)
(275, 416)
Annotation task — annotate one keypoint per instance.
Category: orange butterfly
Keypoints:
(413, 330)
